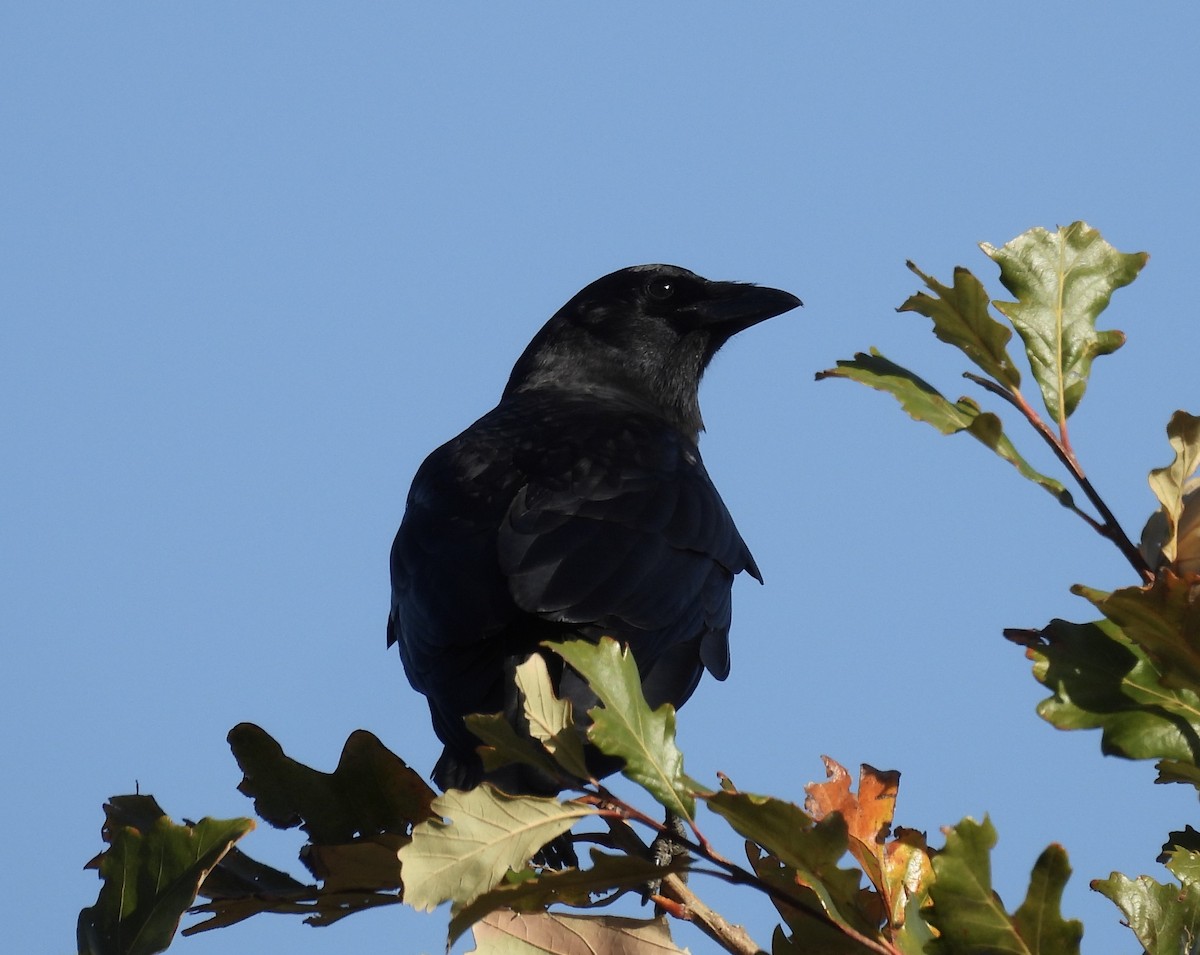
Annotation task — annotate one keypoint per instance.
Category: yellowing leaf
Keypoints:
(1171, 486)
(1163, 618)
(807, 850)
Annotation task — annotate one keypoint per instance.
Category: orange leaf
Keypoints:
(898, 869)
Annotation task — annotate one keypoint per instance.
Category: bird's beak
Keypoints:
(734, 306)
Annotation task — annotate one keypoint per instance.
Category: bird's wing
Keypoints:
(620, 530)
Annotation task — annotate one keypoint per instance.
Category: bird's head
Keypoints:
(644, 333)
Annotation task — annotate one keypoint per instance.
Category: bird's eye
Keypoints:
(660, 289)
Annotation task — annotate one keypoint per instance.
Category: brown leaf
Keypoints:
(1163, 618)
(898, 869)
(868, 815)
(512, 932)
(369, 863)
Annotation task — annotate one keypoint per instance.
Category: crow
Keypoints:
(577, 507)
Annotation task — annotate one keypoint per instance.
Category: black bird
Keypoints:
(577, 507)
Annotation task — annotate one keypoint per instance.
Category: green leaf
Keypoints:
(814, 930)
(626, 727)
(1170, 483)
(546, 933)
(925, 403)
(1039, 920)
(1062, 281)
(1177, 771)
(504, 745)
(372, 790)
(1161, 618)
(549, 718)
(1165, 918)
(1101, 680)
(151, 876)
(1184, 864)
(488, 833)
(809, 850)
(969, 914)
(564, 886)
(960, 317)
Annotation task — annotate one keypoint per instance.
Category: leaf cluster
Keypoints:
(1134, 674)
(843, 877)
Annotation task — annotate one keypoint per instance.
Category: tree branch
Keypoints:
(1110, 527)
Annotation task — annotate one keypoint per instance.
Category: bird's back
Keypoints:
(559, 514)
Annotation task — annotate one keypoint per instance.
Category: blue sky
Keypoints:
(257, 260)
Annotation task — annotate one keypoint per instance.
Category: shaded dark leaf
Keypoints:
(371, 791)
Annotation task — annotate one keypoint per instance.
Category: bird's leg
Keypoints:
(667, 846)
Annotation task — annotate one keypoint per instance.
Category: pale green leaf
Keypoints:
(550, 719)
(1062, 281)
(485, 834)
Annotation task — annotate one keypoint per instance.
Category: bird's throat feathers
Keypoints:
(659, 377)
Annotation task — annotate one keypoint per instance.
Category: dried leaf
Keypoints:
(511, 933)
(900, 870)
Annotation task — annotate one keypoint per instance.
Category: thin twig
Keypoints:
(732, 938)
(1110, 528)
(617, 808)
